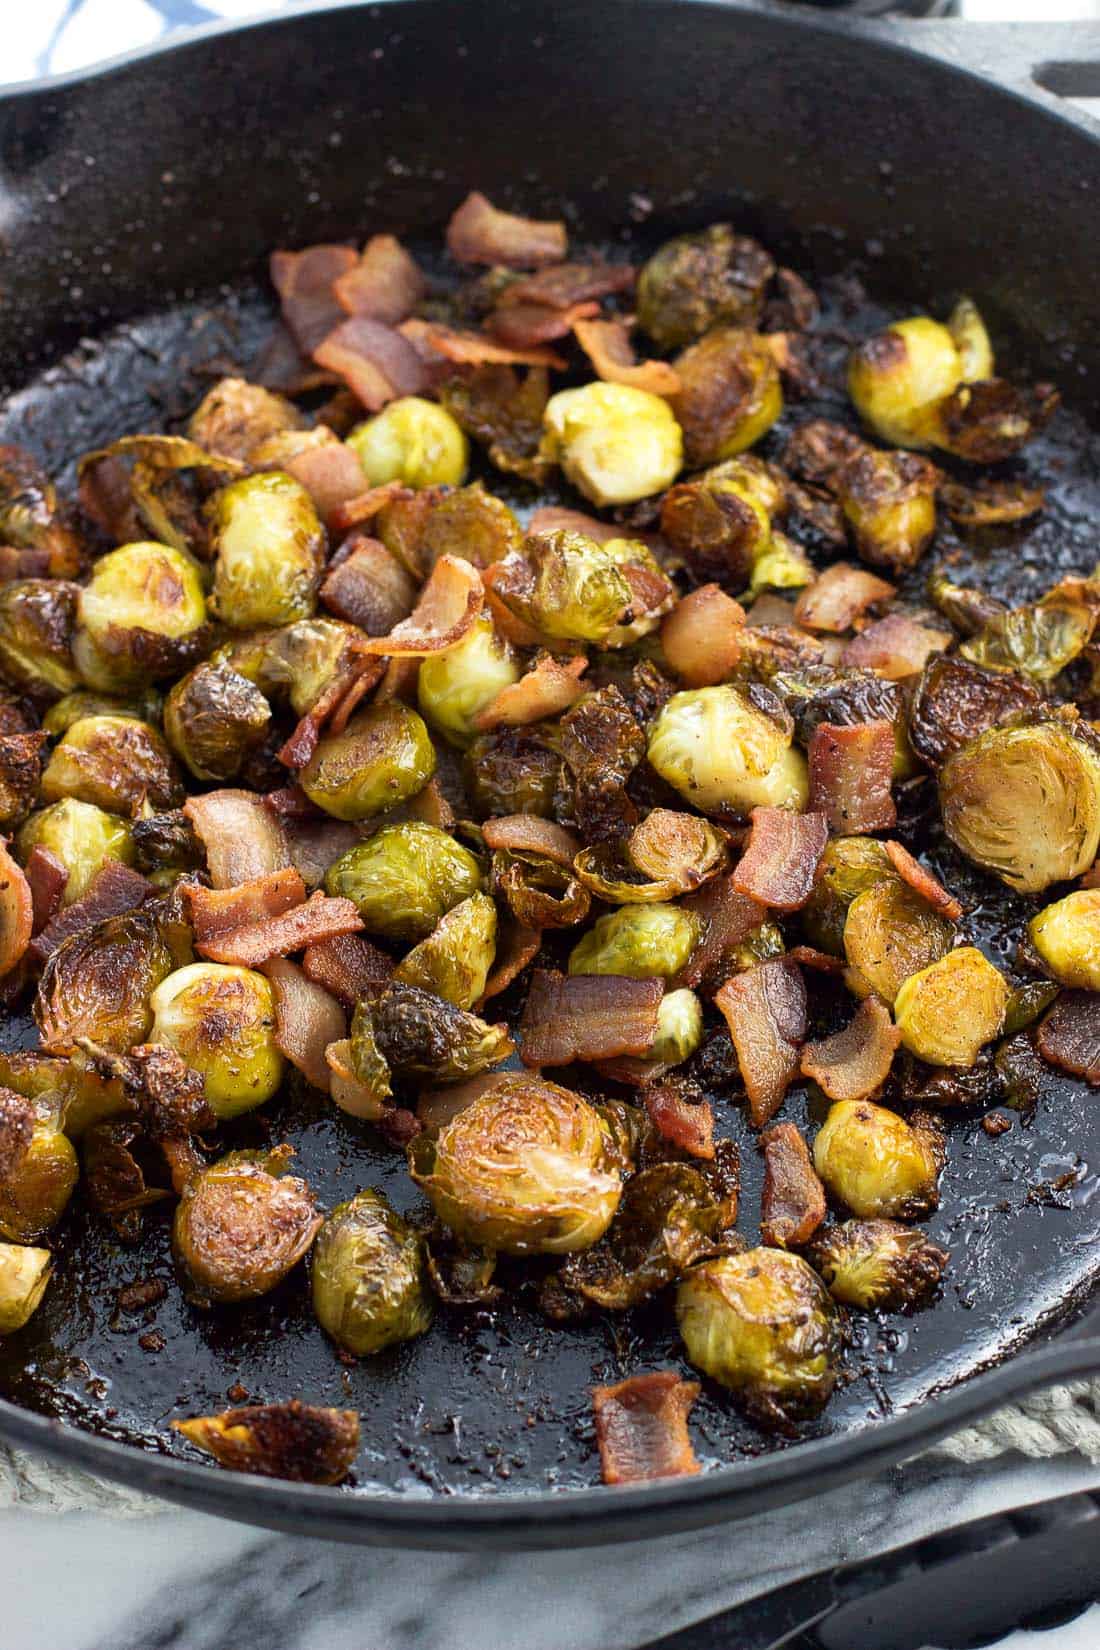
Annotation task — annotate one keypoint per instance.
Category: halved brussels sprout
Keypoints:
(213, 718)
(98, 982)
(849, 866)
(641, 941)
(82, 836)
(878, 1265)
(414, 441)
(679, 1028)
(720, 752)
(525, 1168)
(24, 1274)
(141, 615)
(706, 279)
(890, 933)
(241, 1224)
(1067, 937)
(513, 771)
(36, 631)
(1024, 802)
(898, 378)
(234, 418)
(145, 706)
(565, 585)
(720, 522)
(615, 443)
(470, 523)
(889, 502)
(269, 546)
(1037, 641)
(39, 1180)
(420, 1034)
(369, 1277)
(404, 878)
(455, 959)
(457, 683)
(113, 762)
(876, 1163)
(764, 1325)
(221, 1021)
(294, 663)
(948, 1011)
(383, 756)
(729, 395)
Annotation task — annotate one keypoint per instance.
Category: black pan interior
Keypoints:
(833, 156)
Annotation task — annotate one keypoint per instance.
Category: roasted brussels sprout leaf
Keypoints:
(24, 1274)
(369, 1278)
(295, 1441)
(878, 1265)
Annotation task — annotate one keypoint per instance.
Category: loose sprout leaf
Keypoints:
(641, 1428)
(295, 1441)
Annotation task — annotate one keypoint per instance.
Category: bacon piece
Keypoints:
(808, 956)
(765, 1009)
(701, 637)
(854, 1063)
(781, 857)
(641, 1428)
(307, 1020)
(564, 285)
(16, 1132)
(375, 361)
(517, 945)
(349, 967)
(46, 878)
(22, 564)
(385, 283)
(587, 1017)
(895, 647)
(525, 834)
(607, 345)
(792, 1204)
(112, 891)
(331, 474)
(839, 596)
(429, 805)
(16, 912)
(305, 282)
(358, 511)
(689, 1125)
(920, 879)
(520, 326)
(480, 233)
(448, 605)
(728, 918)
(368, 587)
(320, 918)
(316, 842)
(398, 1125)
(549, 518)
(544, 692)
(353, 677)
(242, 838)
(214, 911)
(435, 341)
(851, 769)
(1069, 1035)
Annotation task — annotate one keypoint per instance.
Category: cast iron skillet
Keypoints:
(137, 206)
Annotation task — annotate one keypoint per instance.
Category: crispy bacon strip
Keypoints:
(215, 911)
(808, 956)
(792, 1205)
(920, 878)
(701, 637)
(851, 769)
(525, 834)
(320, 918)
(765, 1010)
(385, 283)
(520, 326)
(607, 345)
(781, 857)
(854, 1063)
(307, 1020)
(480, 233)
(448, 605)
(46, 878)
(895, 647)
(688, 1125)
(544, 692)
(358, 511)
(548, 518)
(305, 282)
(368, 587)
(641, 1428)
(112, 891)
(376, 362)
(331, 474)
(587, 1017)
(517, 945)
(1069, 1035)
(242, 838)
(839, 596)
(353, 678)
(564, 285)
(433, 340)
(728, 917)
(349, 967)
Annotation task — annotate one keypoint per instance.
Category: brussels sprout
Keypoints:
(1037, 641)
(294, 663)
(720, 523)
(539, 893)
(890, 932)
(38, 1175)
(781, 565)
(360, 1074)
(404, 878)
(144, 707)
(113, 762)
(269, 548)
(419, 1034)
(615, 443)
(470, 523)
(889, 502)
(1067, 937)
(36, 630)
(213, 718)
(24, 1274)
(241, 1224)
(457, 683)
(848, 867)
(876, 1163)
(383, 756)
(971, 339)
(524, 1169)
(679, 1028)
(455, 959)
(878, 1265)
(414, 441)
(221, 1021)
(97, 984)
(1024, 802)
(141, 615)
(898, 378)
(565, 585)
(764, 1325)
(729, 395)
(720, 752)
(369, 1277)
(82, 837)
(952, 1008)
(513, 771)
(641, 941)
(707, 279)
(30, 518)
(80, 1096)
(235, 417)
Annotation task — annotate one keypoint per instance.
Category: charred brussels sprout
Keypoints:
(615, 443)
(113, 762)
(40, 1170)
(898, 378)
(949, 1010)
(404, 878)
(241, 1225)
(369, 1277)
(729, 395)
(470, 523)
(221, 1021)
(269, 547)
(640, 941)
(383, 757)
(235, 417)
(24, 1274)
(722, 753)
(849, 866)
(36, 629)
(566, 586)
(141, 615)
(878, 1265)
(1067, 937)
(525, 1168)
(213, 718)
(764, 1325)
(82, 837)
(890, 932)
(296, 1441)
(876, 1163)
(457, 683)
(889, 502)
(513, 771)
(414, 441)
(419, 1034)
(720, 522)
(707, 279)
(98, 982)
(455, 959)
(1024, 802)
(30, 517)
